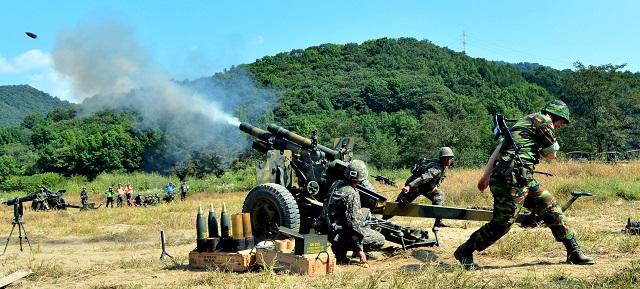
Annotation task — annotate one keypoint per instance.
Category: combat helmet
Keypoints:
(445, 152)
(357, 171)
(558, 108)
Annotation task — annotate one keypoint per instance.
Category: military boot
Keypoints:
(464, 255)
(574, 253)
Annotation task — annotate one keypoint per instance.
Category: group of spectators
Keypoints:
(121, 192)
(124, 194)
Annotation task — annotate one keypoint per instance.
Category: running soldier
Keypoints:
(514, 188)
(426, 178)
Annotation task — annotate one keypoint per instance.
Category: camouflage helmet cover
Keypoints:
(357, 171)
(445, 152)
(558, 108)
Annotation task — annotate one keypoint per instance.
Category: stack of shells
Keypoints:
(235, 234)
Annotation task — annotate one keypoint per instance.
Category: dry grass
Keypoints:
(119, 248)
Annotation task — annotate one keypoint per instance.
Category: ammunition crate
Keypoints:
(228, 261)
(309, 264)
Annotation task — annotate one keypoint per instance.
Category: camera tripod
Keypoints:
(17, 220)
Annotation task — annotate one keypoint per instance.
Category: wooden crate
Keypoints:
(229, 261)
(308, 264)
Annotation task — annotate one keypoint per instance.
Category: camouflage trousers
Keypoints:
(436, 197)
(371, 241)
(509, 199)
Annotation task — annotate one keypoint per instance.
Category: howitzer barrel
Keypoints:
(25, 198)
(255, 132)
(303, 142)
(267, 141)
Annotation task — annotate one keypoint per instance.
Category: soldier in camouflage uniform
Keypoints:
(426, 178)
(84, 197)
(345, 218)
(514, 188)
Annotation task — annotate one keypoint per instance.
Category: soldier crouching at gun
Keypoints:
(345, 219)
(426, 177)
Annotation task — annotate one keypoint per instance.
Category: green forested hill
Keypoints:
(17, 101)
(401, 98)
(404, 98)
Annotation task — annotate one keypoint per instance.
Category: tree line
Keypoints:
(401, 99)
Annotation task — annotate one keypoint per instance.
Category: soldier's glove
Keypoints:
(402, 199)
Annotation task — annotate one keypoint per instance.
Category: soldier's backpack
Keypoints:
(422, 166)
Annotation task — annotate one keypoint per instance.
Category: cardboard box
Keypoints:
(229, 261)
(308, 264)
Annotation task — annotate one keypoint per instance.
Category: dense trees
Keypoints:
(18, 101)
(400, 98)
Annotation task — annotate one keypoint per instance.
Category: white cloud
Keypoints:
(53, 83)
(30, 60)
(35, 68)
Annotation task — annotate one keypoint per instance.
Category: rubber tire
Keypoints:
(279, 201)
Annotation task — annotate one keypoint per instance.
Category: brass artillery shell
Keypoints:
(246, 223)
(236, 226)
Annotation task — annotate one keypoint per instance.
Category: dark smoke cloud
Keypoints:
(110, 70)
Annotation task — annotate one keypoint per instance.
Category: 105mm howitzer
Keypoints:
(44, 200)
(294, 181)
(295, 178)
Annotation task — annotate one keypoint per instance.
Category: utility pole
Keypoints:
(464, 42)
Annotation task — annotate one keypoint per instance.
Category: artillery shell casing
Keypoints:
(225, 244)
(237, 227)
(202, 245)
(225, 223)
(201, 228)
(249, 242)
(213, 223)
(246, 225)
(238, 245)
(212, 244)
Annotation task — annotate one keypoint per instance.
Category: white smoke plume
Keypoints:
(110, 70)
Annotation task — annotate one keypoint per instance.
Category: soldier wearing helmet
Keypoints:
(426, 178)
(345, 217)
(513, 186)
(84, 197)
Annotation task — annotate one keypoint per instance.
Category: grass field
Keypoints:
(119, 248)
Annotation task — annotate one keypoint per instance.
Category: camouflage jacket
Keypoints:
(535, 134)
(342, 208)
(426, 176)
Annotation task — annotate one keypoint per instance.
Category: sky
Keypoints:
(195, 38)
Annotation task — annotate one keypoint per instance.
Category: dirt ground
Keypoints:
(113, 260)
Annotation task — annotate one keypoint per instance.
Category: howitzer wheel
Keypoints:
(271, 205)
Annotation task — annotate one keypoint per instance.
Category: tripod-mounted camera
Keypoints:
(18, 210)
